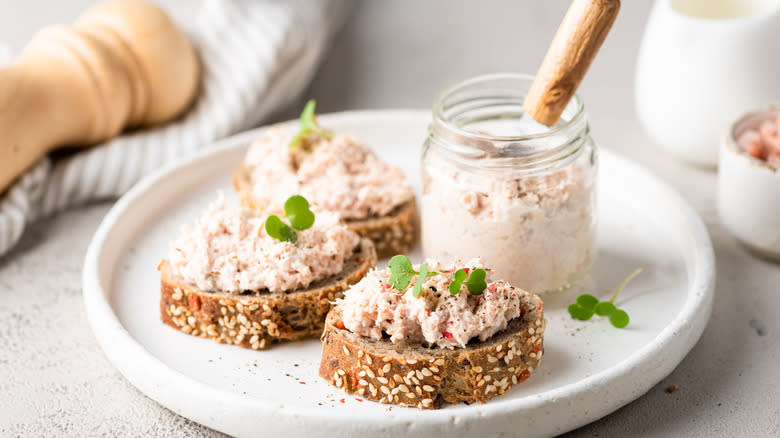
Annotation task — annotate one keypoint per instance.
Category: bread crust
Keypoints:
(394, 233)
(410, 374)
(260, 319)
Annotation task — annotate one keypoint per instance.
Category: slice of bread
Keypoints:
(395, 233)
(257, 319)
(411, 374)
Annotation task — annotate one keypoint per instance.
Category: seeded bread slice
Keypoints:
(410, 374)
(395, 233)
(258, 319)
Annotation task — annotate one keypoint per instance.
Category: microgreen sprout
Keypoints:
(476, 281)
(586, 305)
(280, 230)
(457, 279)
(296, 210)
(308, 126)
(402, 272)
(417, 289)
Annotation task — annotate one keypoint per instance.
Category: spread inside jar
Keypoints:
(498, 185)
(435, 317)
(334, 173)
(536, 231)
(229, 250)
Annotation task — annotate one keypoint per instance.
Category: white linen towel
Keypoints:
(256, 57)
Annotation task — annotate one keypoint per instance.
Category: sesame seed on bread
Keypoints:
(410, 374)
(257, 319)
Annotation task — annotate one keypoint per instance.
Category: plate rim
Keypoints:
(112, 335)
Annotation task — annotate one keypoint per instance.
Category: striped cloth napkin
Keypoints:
(257, 56)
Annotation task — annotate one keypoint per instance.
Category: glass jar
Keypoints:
(499, 186)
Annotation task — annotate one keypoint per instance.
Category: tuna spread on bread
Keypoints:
(433, 315)
(229, 250)
(334, 173)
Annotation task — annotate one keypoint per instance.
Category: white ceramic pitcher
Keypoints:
(700, 64)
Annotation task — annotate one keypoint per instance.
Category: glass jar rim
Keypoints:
(438, 109)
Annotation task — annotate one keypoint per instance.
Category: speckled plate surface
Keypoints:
(589, 368)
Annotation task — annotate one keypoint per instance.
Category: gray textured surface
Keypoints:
(56, 381)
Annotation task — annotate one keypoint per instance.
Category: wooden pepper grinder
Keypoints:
(122, 64)
(576, 43)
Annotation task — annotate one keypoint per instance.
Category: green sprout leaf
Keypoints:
(417, 289)
(604, 308)
(579, 312)
(401, 272)
(279, 230)
(296, 210)
(586, 305)
(307, 115)
(308, 125)
(476, 281)
(587, 301)
(619, 318)
(457, 281)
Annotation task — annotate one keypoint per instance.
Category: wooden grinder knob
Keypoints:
(122, 64)
(576, 43)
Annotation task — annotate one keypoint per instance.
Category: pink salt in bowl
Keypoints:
(749, 181)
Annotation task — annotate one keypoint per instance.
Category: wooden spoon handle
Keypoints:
(576, 43)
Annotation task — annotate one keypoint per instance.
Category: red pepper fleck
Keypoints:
(302, 382)
(539, 307)
(340, 325)
(447, 335)
(342, 400)
(524, 375)
(467, 270)
(492, 287)
(428, 311)
(537, 347)
(194, 302)
(358, 399)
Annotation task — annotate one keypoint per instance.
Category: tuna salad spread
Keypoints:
(373, 308)
(536, 231)
(229, 250)
(334, 173)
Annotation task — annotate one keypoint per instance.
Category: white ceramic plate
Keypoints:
(589, 368)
